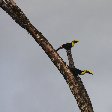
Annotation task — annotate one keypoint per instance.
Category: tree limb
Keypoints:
(75, 84)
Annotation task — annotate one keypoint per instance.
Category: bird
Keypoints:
(68, 46)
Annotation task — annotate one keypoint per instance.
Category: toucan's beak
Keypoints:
(59, 48)
(75, 41)
(90, 72)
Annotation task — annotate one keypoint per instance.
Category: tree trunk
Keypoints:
(76, 86)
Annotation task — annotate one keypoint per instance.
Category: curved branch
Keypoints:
(75, 84)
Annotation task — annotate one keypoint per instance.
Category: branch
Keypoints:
(75, 84)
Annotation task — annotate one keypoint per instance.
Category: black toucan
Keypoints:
(68, 46)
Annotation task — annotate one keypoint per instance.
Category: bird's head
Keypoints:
(73, 42)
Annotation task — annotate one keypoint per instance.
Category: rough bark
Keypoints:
(75, 84)
(71, 62)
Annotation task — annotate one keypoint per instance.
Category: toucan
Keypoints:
(68, 46)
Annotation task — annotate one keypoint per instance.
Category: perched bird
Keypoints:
(68, 46)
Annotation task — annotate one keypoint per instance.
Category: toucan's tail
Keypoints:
(59, 48)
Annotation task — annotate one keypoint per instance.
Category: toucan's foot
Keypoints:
(87, 71)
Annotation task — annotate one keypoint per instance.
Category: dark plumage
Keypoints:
(67, 46)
